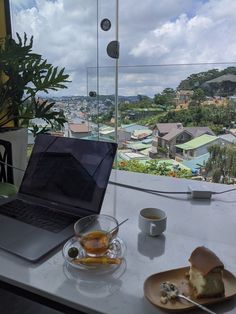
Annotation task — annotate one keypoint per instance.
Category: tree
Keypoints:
(221, 165)
(197, 98)
(166, 98)
(195, 80)
(142, 97)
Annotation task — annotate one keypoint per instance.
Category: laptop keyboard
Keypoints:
(36, 215)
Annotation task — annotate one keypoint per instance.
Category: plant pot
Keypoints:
(13, 151)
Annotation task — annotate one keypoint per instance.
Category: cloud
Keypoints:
(205, 37)
(177, 42)
(163, 32)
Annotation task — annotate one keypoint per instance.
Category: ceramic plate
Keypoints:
(116, 250)
(178, 276)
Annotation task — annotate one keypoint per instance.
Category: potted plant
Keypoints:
(23, 75)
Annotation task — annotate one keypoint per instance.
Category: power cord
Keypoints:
(196, 193)
(9, 165)
(145, 190)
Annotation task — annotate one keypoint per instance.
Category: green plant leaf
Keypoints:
(27, 73)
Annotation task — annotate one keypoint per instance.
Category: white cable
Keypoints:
(8, 165)
(224, 191)
(162, 192)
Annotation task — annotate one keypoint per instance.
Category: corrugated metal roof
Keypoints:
(195, 162)
(197, 142)
(97, 138)
(147, 141)
(79, 128)
(168, 127)
(132, 156)
(199, 130)
(229, 138)
(141, 134)
(172, 134)
(138, 146)
(133, 127)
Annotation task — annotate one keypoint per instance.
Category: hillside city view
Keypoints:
(176, 133)
(174, 111)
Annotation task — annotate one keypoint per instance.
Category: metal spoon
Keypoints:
(172, 292)
(119, 224)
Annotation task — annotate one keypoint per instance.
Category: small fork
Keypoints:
(172, 292)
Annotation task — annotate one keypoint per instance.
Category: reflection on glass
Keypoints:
(161, 72)
(95, 284)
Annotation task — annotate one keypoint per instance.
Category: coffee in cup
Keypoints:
(152, 221)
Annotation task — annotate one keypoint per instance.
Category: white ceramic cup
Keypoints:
(152, 221)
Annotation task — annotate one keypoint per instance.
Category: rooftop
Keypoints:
(199, 130)
(79, 128)
(133, 127)
(229, 138)
(196, 162)
(141, 134)
(197, 142)
(138, 145)
(168, 127)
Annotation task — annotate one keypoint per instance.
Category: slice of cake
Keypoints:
(205, 274)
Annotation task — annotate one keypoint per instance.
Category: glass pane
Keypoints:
(101, 79)
(163, 44)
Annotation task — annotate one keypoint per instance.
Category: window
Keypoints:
(174, 66)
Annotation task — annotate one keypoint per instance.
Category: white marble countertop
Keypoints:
(190, 223)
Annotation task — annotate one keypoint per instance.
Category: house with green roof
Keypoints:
(168, 135)
(197, 146)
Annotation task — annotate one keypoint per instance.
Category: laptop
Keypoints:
(65, 180)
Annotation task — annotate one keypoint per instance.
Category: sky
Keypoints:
(161, 42)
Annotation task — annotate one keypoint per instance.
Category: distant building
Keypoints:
(107, 131)
(133, 127)
(232, 131)
(197, 163)
(123, 136)
(228, 138)
(170, 134)
(129, 155)
(196, 131)
(135, 131)
(141, 134)
(138, 146)
(79, 130)
(182, 98)
(197, 146)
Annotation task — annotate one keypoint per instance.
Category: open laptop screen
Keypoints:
(69, 171)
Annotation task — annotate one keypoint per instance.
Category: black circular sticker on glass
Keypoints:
(105, 24)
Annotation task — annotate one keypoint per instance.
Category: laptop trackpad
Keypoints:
(25, 240)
